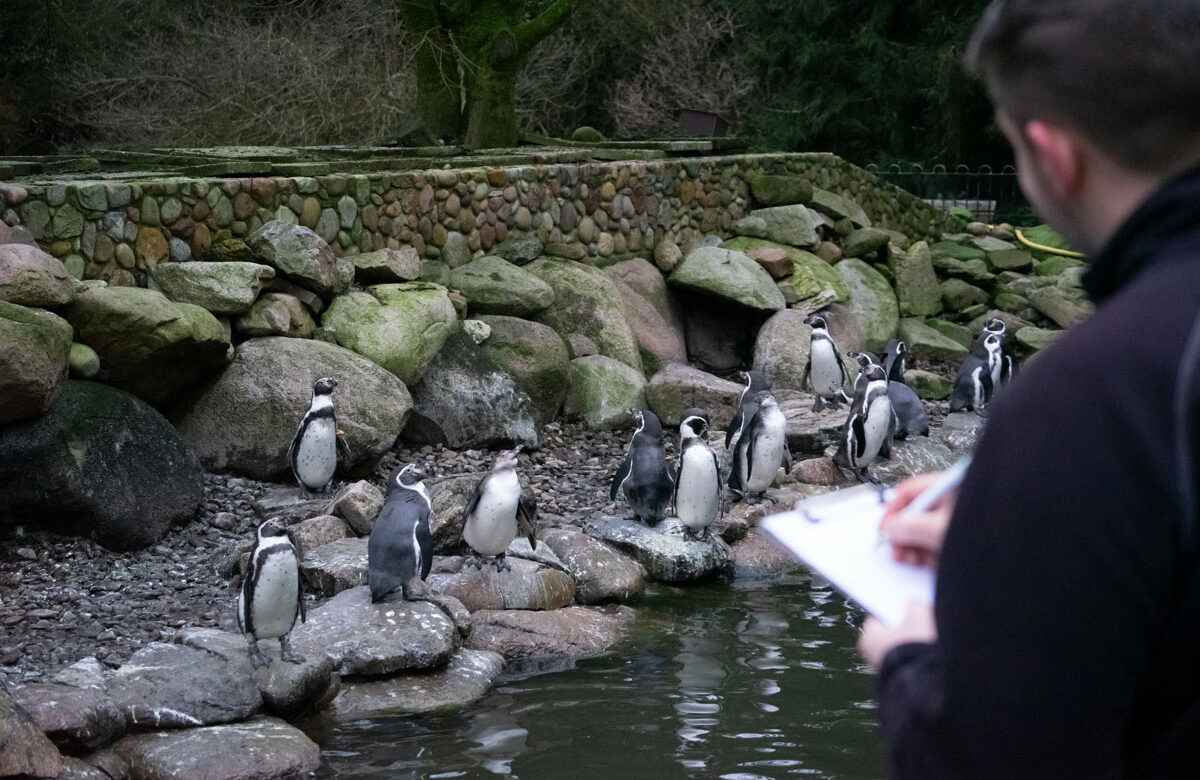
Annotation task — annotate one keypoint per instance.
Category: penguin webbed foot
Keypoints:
(287, 653)
(476, 560)
(415, 590)
(257, 658)
(817, 405)
(501, 563)
(864, 476)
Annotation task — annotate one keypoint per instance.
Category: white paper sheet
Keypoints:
(837, 534)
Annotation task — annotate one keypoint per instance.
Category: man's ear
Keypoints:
(1060, 152)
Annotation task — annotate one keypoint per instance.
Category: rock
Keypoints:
(667, 254)
(467, 678)
(793, 225)
(728, 275)
(222, 288)
(535, 356)
(809, 432)
(927, 385)
(377, 639)
(358, 504)
(576, 632)
(528, 585)
(953, 331)
(258, 749)
(837, 207)
(435, 272)
(925, 343)
(336, 566)
(781, 349)
(974, 271)
(1037, 339)
(603, 390)
(755, 227)
(299, 255)
(35, 346)
(230, 250)
(171, 686)
(398, 326)
(1066, 306)
(812, 283)
(276, 314)
(873, 303)
(518, 250)
(760, 556)
(587, 302)
(83, 361)
(659, 343)
(911, 457)
(1055, 265)
(1014, 259)
(956, 251)
(308, 535)
(24, 749)
(495, 286)
(150, 346)
(818, 471)
(865, 242)
(958, 295)
(774, 190)
(916, 284)
(449, 497)
(960, 431)
(77, 720)
(677, 388)
(387, 265)
(31, 277)
(467, 399)
(1014, 323)
(287, 688)
(478, 330)
(245, 421)
(124, 496)
(600, 572)
(662, 550)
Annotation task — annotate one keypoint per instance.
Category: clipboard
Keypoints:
(837, 535)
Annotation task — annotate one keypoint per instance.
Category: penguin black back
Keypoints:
(894, 363)
(755, 383)
(400, 549)
(644, 477)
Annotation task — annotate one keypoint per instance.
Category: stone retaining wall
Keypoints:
(117, 229)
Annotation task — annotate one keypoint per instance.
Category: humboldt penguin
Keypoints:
(895, 360)
(907, 408)
(271, 597)
(313, 454)
(973, 385)
(825, 372)
(755, 382)
(864, 360)
(866, 435)
(494, 513)
(644, 478)
(1007, 366)
(761, 450)
(400, 550)
(697, 497)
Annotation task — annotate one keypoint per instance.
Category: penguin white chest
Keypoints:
(275, 600)
(826, 368)
(878, 417)
(698, 495)
(316, 455)
(768, 452)
(493, 525)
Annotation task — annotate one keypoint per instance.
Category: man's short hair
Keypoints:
(1123, 73)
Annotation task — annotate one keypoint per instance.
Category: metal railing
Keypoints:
(992, 196)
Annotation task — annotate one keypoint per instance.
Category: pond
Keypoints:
(740, 680)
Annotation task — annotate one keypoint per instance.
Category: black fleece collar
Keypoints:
(1173, 210)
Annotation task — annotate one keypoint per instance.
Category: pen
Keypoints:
(949, 480)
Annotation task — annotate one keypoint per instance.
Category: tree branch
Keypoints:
(527, 34)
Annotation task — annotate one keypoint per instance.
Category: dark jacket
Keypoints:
(1068, 594)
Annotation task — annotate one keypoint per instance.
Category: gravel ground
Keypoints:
(62, 599)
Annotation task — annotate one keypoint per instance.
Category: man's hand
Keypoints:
(916, 537)
(878, 638)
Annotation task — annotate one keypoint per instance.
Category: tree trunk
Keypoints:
(439, 75)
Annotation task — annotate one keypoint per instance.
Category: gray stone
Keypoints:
(347, 211)
(528, 585)
(68, 222)
(873, 303)
(299, 255)
(678, 388)
(912, 457)
(753, 227)
(449, 497)
(925, 343)
(586, 302)
(35, 216)
(1015, 259)
(245, 420)
(457, 250)
(171, 686)
(776, 190)
(537, 359)
(83, 361)
(658, 341)
(358, 504)
(603, 390)
(662, 550)
(973, 271)
(1066, 306)
(927, 385)
(77, 720)
(916, 284)
(838, 207)
(327, 225)
(1037, 339)
(387, 265)
(496, 286)
(960, 431)
(781, 350)
(24, 749)
(35, 346)
(960, 333)
(576, 632)
(276, 314)
(865, 242)
(222, 288)
(810, 433)
(180, 251)
(519, 250)
(601, 573)
(30, 277)
(336, 566)
(259, 749)
(958, 295)
(728, 275)
(795, 225)
(314, 532)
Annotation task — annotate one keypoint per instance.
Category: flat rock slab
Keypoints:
(578, 632)
(336, 567)
(912, 456)
(284, 501)
(760, 556)
(528, 585)
(172, 686)
(260, 749)
(662, 550)
(601, 572)
(24, 749)
(286, 688)
(960, 431)
(371, 640)
(468, 677)
(808, 432)
(77, 720)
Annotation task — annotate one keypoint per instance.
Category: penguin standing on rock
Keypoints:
(494, 513)
(894, 361)
(761, 450)
(400, 550)
(1006, 367)
(755, 382)
(644, 478)
(867, 433)
(973, 385)
(907, 408)
(314, 451)
(697, 496)
(825, 372)
(271, 598)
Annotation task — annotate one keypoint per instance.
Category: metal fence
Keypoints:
(992, 196)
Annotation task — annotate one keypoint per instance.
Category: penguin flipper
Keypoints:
(621, 475)
(294, 447)
(246, 613)
(734, 425)
(860, 436)
(527, 518)
(473, 501)
(300, 593)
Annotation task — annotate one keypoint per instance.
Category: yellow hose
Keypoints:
(1043, 248)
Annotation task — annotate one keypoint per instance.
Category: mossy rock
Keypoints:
(603, 391)
(495, 286)
(1046, 236)
(535, 356)
(1054, 265)
(873, 302)
(586, 302)
(927, 385)
(772, 190)
(957, 251)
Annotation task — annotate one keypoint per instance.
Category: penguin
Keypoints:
(400, 549)
(494, 516)
(866, 434)
(894, 361)
(643, 477)
(907, 410)
(1003, 373)
(697, 496)
(973, 383)
(864, 360)
(825, 372)
(688, 427)
(755, 382)
(314, 451)
(271, 598)
(761, 449)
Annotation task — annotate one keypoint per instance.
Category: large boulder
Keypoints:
(1065, 304)
(795, 225)
(837, 207)
(466, 399)
(781, 350)
(100, 463)
(31, 277)
(575, 632)
(276, 314)
(149, 345)
(647, 281)
(24, 750)
(601, 573)
(222, 288)
(917, 289)
(258, 749)
(663, 551)
(778, 190)
(535, 356)
(926, 343)
(172, 686)
(399, 326)
(527, 585)
(587, 303)
(387, 265)
(603, 390)
(873, 302)
(658, 342)
(812, 283)
(78, 720)
(727, 275)
(245, 420)
(495, 286)
(301, 256)
(336, 566)
(35, 347)
(678, 388)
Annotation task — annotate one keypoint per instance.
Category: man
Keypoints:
(1066, 638)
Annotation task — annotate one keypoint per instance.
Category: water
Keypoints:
(754, 679)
